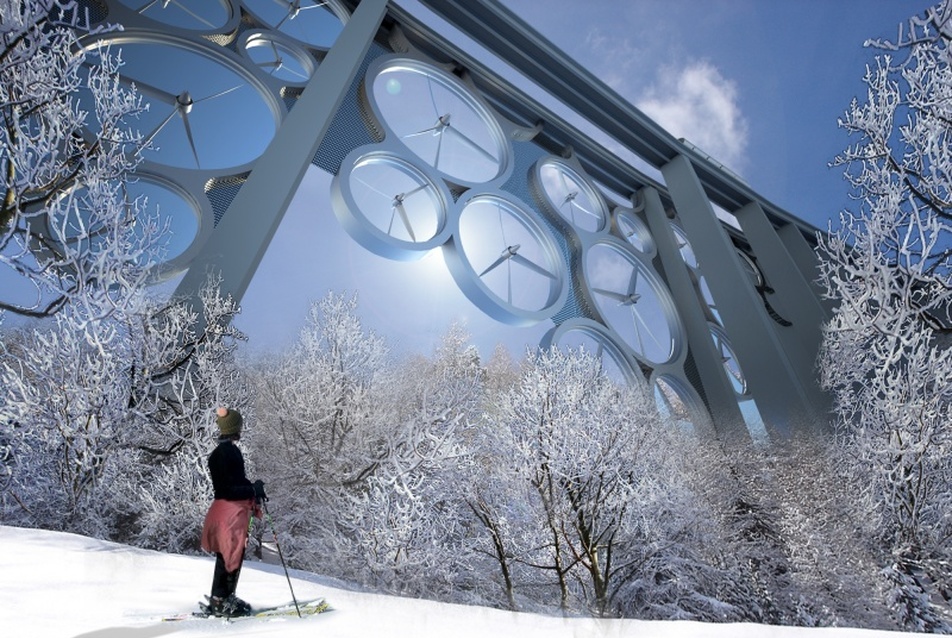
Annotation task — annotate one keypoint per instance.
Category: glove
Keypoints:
(259, 491)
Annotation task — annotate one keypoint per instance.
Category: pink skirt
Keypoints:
(226, 530)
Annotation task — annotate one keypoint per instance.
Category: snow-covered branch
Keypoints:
(886, 355)
(66, 223)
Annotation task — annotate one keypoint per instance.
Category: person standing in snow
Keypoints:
(225, 531)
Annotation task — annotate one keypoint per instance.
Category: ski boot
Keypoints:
(229, 607)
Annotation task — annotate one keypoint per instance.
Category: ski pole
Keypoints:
(264, 504)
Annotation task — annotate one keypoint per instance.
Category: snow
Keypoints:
(56, 585)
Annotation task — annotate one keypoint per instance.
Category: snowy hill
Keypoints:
(105, 590)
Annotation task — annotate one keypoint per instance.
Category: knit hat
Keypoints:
(229, 421)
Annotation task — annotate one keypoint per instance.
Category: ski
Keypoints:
(307, 607)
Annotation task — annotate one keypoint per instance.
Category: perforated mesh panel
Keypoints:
(225, 40)
(94, 10)
(348, 129)
(221, 193)
(694, 378)
(289, 100)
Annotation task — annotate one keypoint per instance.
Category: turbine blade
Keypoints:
(585, 210)
(193, 14)
(191, 141)
(429, 86)
(406, 220)
(296, 73)
(495, 264)
(633, 282)
(274, 64)
(414, 191)
(393, 217)
(502, 227)
(641, 320)
(217, 95)
(146, 7)
(611, 294)
(519, 259)
(571, 210)
(157, 129)
(439, 149)
(419, 133)
(373, 188)
(473, 145)
(148, 90)
(641, 339)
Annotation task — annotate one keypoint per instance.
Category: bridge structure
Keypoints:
(492, 149)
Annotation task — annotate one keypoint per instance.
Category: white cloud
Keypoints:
(613, 59)
(699, 104)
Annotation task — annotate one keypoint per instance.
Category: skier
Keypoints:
(225, 532)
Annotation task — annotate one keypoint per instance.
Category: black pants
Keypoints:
(224, 582)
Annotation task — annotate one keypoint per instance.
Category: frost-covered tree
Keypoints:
(107, 418)
(406, 522)
(580, 498)
(106, 400)
(796, 547)
(66, 225)
(886, 354)
(183, 366)
(316, 405)
(358, 450)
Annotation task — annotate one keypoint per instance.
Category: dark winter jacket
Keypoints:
(227, 467)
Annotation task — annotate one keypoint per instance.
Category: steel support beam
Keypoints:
(793, 299)
(720, 396)
(806, 259)
(240, 239)
(782, 400)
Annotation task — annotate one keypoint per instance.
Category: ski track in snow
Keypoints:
(55, 585)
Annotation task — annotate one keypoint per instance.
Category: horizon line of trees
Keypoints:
(537, 485)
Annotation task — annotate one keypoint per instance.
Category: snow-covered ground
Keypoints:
(56, 585)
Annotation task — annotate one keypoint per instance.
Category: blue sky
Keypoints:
(758, 85)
